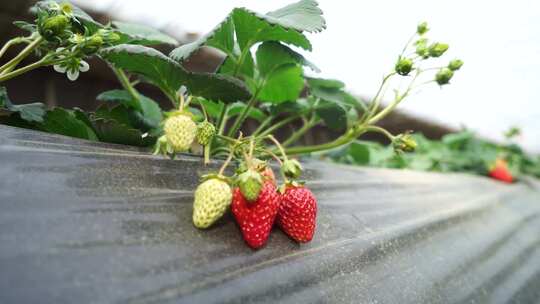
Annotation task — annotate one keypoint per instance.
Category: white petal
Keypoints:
(59, 68)
(83, 66)
(73, 75)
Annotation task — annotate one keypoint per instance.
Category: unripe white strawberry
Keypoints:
(180, 130)
(212, 198)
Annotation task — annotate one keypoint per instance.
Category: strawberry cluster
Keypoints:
(257, 203)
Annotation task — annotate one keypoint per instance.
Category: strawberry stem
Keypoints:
(276, 142)
(231, 154)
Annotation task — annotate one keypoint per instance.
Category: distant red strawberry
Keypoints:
(500, 171)
(256, 218)
(297, 213)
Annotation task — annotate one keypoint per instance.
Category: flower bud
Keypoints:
(92, 44)
(110, 37)
(421, 48)
(53, 26)
(437, 49)
(404, 66)
(443, 76)
(66, 9)
(422, 28)
(455, 64)
(404, 143)
(291, 168)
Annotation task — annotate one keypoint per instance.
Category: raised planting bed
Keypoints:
(86, 222)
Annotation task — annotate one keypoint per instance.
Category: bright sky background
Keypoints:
(499, 41)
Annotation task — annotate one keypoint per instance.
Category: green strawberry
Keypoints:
(180, 130)
(291, 168)
(250, 183)
(212, 198)
(205, 133)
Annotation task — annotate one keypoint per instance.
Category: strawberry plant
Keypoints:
(262, 78)
(457, 152)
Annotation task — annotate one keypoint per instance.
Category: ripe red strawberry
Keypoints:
(297, 213)
(500, 171)
(256, 218)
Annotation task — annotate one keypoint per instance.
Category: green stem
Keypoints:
(296, 135)
(241, 59)
(126, 84)
(375, 102)
(263, 125)
(226, 163)
(206, 154)
(11, 42)
(279, 125)
(10, 65)
(226, 138)
(342, 140)
(240, 119)
(42, 62)
(222, 121)
(280, 147)
(380, 130)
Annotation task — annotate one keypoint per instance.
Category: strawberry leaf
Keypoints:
(28, 112)
(271, 55)
(65, 122)
(304, 16)
(238, 107)
(142, 34)
(333, 114)
(252, 27)
(221, 37)
(169, 76)
(147, 110)
(283, 84)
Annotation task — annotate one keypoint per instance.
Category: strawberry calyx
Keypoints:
(250, 183)
(178, 113)
(290, 184)
(218, 176)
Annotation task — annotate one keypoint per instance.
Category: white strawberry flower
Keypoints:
(71, 66)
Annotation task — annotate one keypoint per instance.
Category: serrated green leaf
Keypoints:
(29, 27)
(112, 131)
(221, 37)
(29, 112)
(252, 27)
(119, 113)
(271, 55)
(332, 90)
(61, 121)
(296, 106)
(169, 75)
(284, 84)
(302, 16)
(213, 109)
(147, 110)
(333, 114)
(228, 66)
(284, 24)
(121, 96)
(142, 34)
(360, 153)
(325, 83)
(238, 107)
